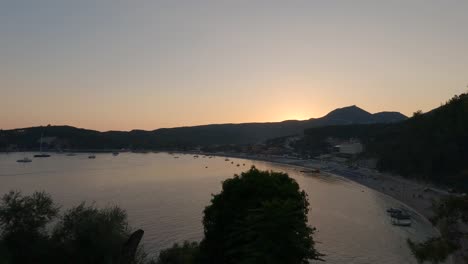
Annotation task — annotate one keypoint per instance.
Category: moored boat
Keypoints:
(399, 217)
(393, 211)
(42, 155)
(24, 160)
(313, 170)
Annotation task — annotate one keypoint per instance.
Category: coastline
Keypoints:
(418, 196)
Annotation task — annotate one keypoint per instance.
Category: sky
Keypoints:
(123, 65)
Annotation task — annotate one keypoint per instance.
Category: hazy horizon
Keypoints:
(119, 65)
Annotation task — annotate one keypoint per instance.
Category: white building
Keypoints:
(351, 148)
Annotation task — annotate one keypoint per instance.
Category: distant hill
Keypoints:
(187, 137)
(431, 146)
(258, 132)
(355, 115)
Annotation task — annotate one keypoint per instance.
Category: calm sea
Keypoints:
(165, 196)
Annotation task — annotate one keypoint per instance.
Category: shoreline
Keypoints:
(417, 196)
(414, 194)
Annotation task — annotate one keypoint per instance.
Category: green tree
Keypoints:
(84, 234)
(418, 113)
(87, 234)
(259, 217)
(23, 221)
(179, 254)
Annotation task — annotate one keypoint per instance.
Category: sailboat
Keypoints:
(41, 155)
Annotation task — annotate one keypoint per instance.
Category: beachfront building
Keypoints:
(349, 148)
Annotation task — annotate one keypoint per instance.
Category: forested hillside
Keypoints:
(431, 146)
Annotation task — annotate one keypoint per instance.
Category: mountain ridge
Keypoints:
(190, 136)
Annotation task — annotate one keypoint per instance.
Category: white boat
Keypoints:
(399, 217)
(24, 160)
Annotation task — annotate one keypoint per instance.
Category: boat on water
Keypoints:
(314, 170)
(42, 154)
(399, 217)
(24, 160)
(115, 153)
(91, 157)
(393, 211)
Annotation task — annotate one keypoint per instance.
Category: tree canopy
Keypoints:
(259, 217)
(32, 231)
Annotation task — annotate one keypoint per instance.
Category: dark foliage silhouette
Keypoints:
(259, 217)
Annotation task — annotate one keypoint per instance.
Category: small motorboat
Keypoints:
(91, 157)
(42, 155)
(399, 217)
(24, 160)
